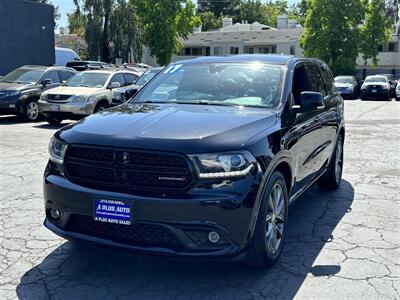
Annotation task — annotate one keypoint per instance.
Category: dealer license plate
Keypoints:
(54, 107)
(112, 211)
(374, 91)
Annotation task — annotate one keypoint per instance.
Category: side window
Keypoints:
(300, 83)
(53, 75)
(316, 81)
(328, 79)
(130, 78)
(65, 75)
(118, 78)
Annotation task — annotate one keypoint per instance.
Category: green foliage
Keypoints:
(271, 11)
(375, 30)
(334, 33)
(298, 11)
(220, 8)
(251, 11)
(209, 21)
(126, 32)
(165, 23)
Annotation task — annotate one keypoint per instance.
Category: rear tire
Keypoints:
(100, 107)
(333, 177)
(265, 246)
(53, 121)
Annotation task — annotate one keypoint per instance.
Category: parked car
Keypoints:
(88, 65)
(209, 170)
(86, 93)
(64, 55)
(398, 92)
(375, 87)
(123, 94)
(347, 86)
(20, 89)
(393, 83)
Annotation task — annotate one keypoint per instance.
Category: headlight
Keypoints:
(43, 97)
(80, 98)
(223, 165)
(57, 150)
(363, 87)
(385, 87)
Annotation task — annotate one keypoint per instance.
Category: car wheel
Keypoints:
(333, 177)
(265, 247)
(31, 111)
(53, 121)
(100, 107)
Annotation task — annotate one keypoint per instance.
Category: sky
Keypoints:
(66, 6)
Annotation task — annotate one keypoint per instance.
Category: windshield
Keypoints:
(146, 77)
(343, 80)
(254, 84)
(92, 79)
(376, 79)
(23, 76)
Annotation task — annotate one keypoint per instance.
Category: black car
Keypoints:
(20, 89)
(123, 94)
(348, 86)
(393, 83)
(84, 65)
(202, 162)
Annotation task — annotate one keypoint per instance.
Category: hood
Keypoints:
(77, 91)
(185, 128)
(343, 85)
(376, 83)
(13, 86)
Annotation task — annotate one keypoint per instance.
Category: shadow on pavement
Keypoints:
(77, 271)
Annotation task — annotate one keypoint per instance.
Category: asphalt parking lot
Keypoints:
(342, 244)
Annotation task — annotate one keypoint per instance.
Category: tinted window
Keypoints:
(376, 79)
(316, 81)
(88, 79)
(53, 75)
(118, 78)
(65, 75)
(147, 76)
(130, 78)
(328, 79)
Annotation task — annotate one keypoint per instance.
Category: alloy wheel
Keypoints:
(32, 111)
(275, 220)
(338, 161)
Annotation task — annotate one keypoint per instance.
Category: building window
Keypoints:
(273, 50)
(218, 51)
(234, 50)
(251, 50)
(292, 50)
(392, 47)
(186, 51)
(207, 51)
(197, 51)
(264, 50)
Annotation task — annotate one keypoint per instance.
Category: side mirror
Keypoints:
(115, 85)
(131, 93)
(63, 82)
(309, 101)
(46, 81)
(1, 77)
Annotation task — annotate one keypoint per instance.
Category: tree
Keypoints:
(298, 11)
(77, 20)
(220, 8)
(271, 10)
(209, 21)
(126, 33)
(375, 30)
(251, 11)
(393, 12)
(165, 24)
(332, 33)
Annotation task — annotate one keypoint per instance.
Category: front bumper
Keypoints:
(67, 108)
(345, 92)
(379, 94)
(9, 106)
(170, 225)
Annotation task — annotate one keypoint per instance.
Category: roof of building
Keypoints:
(256, 37)
(264, 58)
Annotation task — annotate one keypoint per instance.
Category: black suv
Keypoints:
(202, 162)
(20, 89)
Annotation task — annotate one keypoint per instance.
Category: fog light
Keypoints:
(213, 237)
(11, 105)
(55, 213)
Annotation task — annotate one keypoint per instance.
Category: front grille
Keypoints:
(139, 234)
(57, 97)
(126, 170)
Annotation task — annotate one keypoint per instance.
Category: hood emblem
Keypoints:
(125, 156)
(57, 97)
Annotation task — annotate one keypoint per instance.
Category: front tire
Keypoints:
(265, 247)
(333, 177)
(53, 121)
(100, 107)
(31, 110)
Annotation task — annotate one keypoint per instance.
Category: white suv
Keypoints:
(83, 94)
